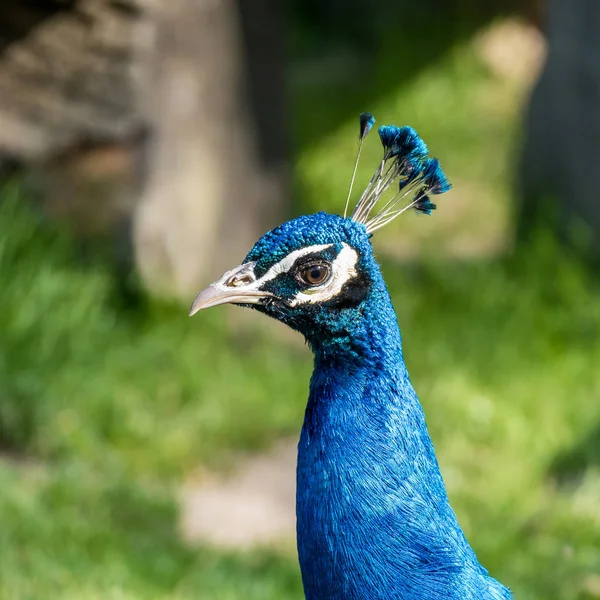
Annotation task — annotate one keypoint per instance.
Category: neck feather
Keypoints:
(372, 508)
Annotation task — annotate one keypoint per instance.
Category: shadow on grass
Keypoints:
(569, 467)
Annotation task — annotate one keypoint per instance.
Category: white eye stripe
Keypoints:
(343, 269)
(285, 264)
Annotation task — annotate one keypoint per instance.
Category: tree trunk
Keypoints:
(161, 120)
(214, 183)
(559, 176)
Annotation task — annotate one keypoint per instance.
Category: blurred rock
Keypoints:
(254, 505)
(512, 49)
(591, 585)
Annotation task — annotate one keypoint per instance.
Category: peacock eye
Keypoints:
(314, 274)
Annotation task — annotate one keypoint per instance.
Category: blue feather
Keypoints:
(388, 135)
(410, 144)
(403, 142)
(424, 205)
(405, 161)
(367, 120)
(434, 177)
(411, 170)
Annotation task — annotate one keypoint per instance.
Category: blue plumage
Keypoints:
(366, 120)
(388, 135)
(373, 517)
(424, 204)
(405, 160)
(434, 178)
(402, 141)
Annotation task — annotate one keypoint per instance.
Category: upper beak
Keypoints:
(238, 286)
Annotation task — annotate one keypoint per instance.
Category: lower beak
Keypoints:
(238, 286)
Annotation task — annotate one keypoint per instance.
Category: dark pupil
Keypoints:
(315, 274)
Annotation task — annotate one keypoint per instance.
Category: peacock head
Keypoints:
(317, 272)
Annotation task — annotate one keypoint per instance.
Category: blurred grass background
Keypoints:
(99, 398)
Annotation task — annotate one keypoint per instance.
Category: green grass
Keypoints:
(104, 408)
(70, 532)
(145, 388)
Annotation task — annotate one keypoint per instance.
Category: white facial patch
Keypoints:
(343, 269)
(285, 264)
(241, 279)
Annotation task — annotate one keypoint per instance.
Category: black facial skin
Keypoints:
(352, 293)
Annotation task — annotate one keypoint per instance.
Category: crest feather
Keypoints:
(406, 168)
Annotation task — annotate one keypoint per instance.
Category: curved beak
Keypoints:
(237, 286)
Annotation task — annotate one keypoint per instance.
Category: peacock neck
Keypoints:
(373, 519)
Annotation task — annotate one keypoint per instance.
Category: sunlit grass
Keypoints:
(75, 533)
(148, 388)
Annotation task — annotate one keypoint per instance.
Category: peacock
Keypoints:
(373, 516)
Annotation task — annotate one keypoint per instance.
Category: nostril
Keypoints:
(239, 280)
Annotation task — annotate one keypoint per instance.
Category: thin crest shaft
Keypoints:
(367, 121)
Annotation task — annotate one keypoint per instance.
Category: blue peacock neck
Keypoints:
(373, 518)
